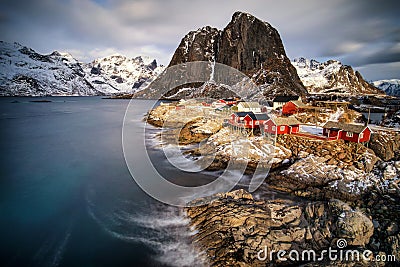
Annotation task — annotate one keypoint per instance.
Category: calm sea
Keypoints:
(67, 197)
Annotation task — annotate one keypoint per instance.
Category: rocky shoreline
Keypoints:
(234, 227)
(346, 191)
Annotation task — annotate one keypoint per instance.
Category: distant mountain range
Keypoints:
(248, 44)
(391, 87)
(332, 77)
(24, 72)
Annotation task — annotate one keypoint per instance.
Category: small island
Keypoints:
(337, 173)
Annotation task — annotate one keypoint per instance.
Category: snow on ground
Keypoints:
(311, 129)
(207, 126)
(354, 181)
(230, 144)
(335, 116)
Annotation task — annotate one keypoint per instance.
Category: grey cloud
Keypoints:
(313, 28)
(381, 53)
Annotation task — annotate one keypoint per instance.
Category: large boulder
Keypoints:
(385, 144)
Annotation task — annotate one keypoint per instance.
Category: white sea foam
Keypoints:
(53, 248)
(165, 229)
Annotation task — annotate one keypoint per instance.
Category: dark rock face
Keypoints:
(96, 70)
(138, 83)
(152, 65)
(35, 56)
(29, 81)
(255, 48)
(249, 45)
(200, 45)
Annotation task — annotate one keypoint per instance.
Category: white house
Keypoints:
(249, 107)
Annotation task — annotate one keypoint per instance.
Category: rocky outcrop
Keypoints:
(247, 44)
(183, 126)
(332, 77)
(255, 48)
(336, 152)
(311, 177)
(385, 144)
(233, 227)
(200, 45)
(197, 130)
(340, 115)
(325, 169)
(382, 203)
(223, 146)
(392, 119)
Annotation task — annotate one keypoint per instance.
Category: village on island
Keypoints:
(286, 115)
(284, 131)
(320, 150)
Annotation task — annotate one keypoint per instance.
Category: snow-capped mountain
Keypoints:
(24, 72)
(332, 77)
(391, 87)
(119, 74)
(247, 44)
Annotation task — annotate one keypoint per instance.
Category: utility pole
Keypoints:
(316, 119)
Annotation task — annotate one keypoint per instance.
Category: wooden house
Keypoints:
(349, 132)
(279, 101)
(249, 107)
(293, 107)
(281, 125)
(249, 120)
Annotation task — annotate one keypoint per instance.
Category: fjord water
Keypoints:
(66, 195)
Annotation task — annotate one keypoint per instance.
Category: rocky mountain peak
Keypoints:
(332, 77)
(200, 45)
(248, 44)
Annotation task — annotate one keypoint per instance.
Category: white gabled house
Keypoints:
(249, 107)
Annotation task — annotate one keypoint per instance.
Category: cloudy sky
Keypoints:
(361, 33)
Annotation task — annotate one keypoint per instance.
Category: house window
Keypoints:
(273, 128)
(282, 128)
(361, 135)
(349, 134)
